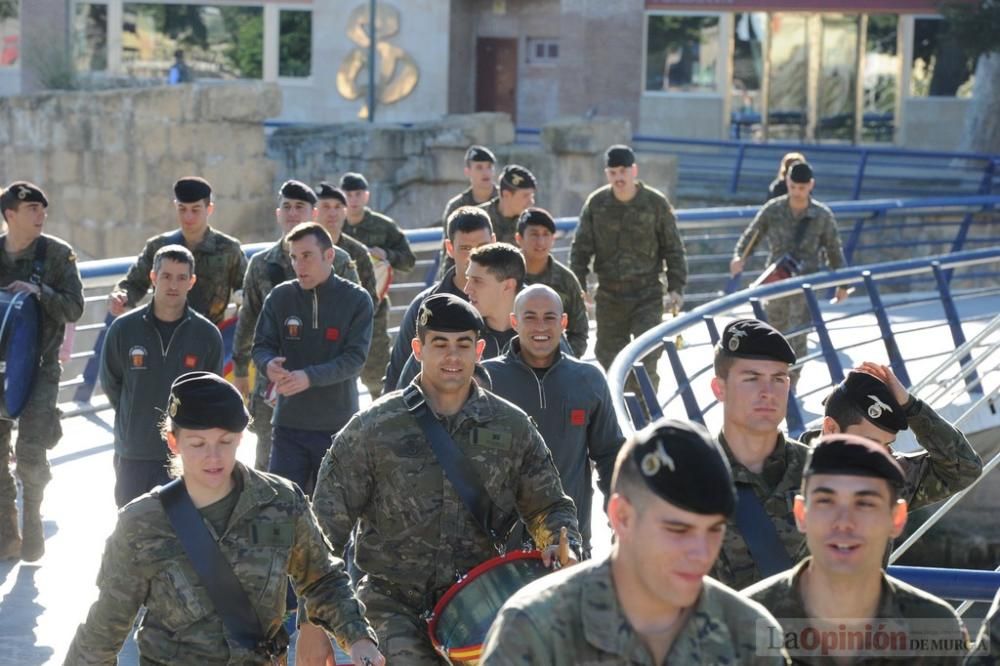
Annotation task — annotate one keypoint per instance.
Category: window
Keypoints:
(749, 30)
(879, 77)
(542, 51)
(218, 42)
(295, 43)
(90, 37)
(10, 34)
(682, 53)
(940, 67)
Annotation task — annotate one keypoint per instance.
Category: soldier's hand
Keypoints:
(312, 647)
(117, 303)
(364, 653)
(884, 374)
(22, 287)
(675, 301)
(242, 385)
(378, 252)
(735, 266)
(559, 554)
(841, 294)
(275, 369)
(293, 382)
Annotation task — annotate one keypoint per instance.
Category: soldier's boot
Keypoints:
(33, 535)
(10, 537)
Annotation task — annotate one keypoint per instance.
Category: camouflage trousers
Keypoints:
(261, 426)
(38, 430)
(623, 316)
(788, 314)
(402, 633)
(378, 353)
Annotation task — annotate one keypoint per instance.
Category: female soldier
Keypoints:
(265, 530)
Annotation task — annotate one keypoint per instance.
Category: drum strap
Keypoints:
(458, 469)
(800, 233)
(38, 263)
(759, 533)
(223, 587)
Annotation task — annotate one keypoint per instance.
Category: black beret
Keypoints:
(351, 182)
(684, 465)
(327, 191)
(536, 216)
(203, 400)
(449, 313)
(480, 154)
(853, 456)
(800, 172)
(619, 156)
(21, 191)
(297, 190)
(872, 398)
(516, 177)
(752, 338)
(191, 189)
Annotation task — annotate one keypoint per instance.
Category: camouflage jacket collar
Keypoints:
(545, 276)
(774, 468)
(812, 211)
(256, 493)
(478, 407)
(209, 243)
(276, 254)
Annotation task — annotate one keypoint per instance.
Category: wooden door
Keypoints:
(496, 75)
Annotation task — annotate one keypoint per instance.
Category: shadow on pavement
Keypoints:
(18, 619)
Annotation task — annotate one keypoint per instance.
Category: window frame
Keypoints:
(720, 67)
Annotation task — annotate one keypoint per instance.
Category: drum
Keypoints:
(383, 277)
(782, 269)
(20, 329)
(464, 614)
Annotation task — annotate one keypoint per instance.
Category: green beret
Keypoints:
(191, 189)
(872, 398)
(298, 191)
(203, 400)
(480, 154)
(755, 339)
(450, 314)
(21, 191)
(516, 177)
(327, 191)
(535, 216)
(850, 455)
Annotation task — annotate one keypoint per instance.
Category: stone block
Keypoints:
(660, 172)
(65, 168)
(242, 101)
(580, 135)
(447, 163)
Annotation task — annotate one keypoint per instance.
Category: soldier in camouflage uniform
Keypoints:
(219, 258)
(536, 232)
(849, 508)
(480, 169)
(630, 232)
(517, 194)
(415, 533)
(268, 269)
(263, 526)
(752, 382)
(387, 242)
(45, 267)
(651, 601)
(797, 225)
(871, 402)
(331, 213)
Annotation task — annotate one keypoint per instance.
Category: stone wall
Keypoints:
(413, 171)
(108, 160)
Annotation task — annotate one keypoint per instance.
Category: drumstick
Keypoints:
(563, 547)
(734, 281)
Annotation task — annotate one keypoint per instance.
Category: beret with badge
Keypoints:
(800, 172)
(619, 156)
(480, 154)
(850, 455)
(450, 314)
(327, 191)
(682, 463)
(872, 398)
(203, 400)
(298, 191)
(755, 339)
(537, 217)
(21, 191)
(516, 177)
(352, 182)
(191, 189)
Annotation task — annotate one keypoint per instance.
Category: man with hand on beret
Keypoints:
(651, 601)
(629, 231)
(331, 214)
(415, 532)
(794, 224)
(268, 269)
(480, 169)
(42, 266)
(752, 363)
(386, 242)
(220, 259)
(872, 402)
(517, 194)
(849, 509)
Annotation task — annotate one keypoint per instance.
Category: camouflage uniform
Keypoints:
(778, 225)
(629, 243)
(948, 464)
(362, 263)
(504, 228)
(561, 279)
(377, 230)
(574, 617)
(464, 199)
(775, 487)
(39, 429)
(256, 286)
(415, 533)
(270, 532)
(219, 263)
(781, 595)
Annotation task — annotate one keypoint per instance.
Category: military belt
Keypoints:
(630, 284)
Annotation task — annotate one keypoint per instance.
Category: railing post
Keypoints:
(825, 343)
(855, 237)
(683, 383)
(647, 391)
(859, 177)
(635, 410)
(955, 324)
(758, 309)
(891, 348)
(735, 182)
(986, 184)
(713, 330)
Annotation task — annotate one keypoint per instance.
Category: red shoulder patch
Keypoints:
(333, 334)
(578, 417)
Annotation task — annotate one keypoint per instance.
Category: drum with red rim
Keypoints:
(464, 614)
(785, 267)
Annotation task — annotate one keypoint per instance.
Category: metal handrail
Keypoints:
(955, 357)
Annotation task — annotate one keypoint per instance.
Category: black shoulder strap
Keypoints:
(457, 469)
(216, 574)
(38, 264)
(276, 274)
(800, 233)
(758, 531)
